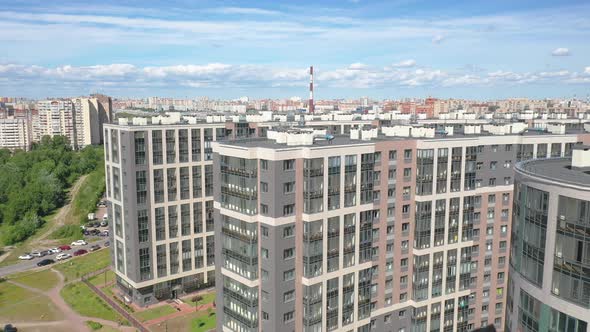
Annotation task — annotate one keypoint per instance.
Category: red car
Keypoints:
(80, 252)
(64, 248)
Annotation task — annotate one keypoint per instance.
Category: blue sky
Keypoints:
(227, 49)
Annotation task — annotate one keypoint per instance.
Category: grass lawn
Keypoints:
(98, 280)
(21, 305)
(76, 267)
(207, 298)
(43, 280)
(204, 323)
(85, 302)
(195, 322)
(154, 313)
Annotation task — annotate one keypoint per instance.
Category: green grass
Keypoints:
(85, 302)
(204, 323)
(200, 321)
(207, 298)
(154, 313)
(67, 233)
(42, 280)
(99, 280)
(77, 267)
(89, 194)
(93, 325)
(21, 305)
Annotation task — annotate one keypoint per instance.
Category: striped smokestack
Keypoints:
(311, 106)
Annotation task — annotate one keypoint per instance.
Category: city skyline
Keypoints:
(358, 48)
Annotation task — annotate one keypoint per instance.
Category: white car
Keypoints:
(79, 243)
(55, 250)
(63, 256)
(25, 257)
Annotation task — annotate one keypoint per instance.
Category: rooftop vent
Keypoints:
(581, 156)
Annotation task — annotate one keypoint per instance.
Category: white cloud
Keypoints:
(561, 51)
(225, 76)
(438, 39)
(243, 11)
(357, 66)
(405, 63)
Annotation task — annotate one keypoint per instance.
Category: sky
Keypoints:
(262, 49)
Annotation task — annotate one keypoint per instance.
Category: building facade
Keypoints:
(15, 134)
(549, 286)
(159, 182)
(81, 119)
(388, 234)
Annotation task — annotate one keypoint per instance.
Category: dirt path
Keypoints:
(73, 320)
(58, 220)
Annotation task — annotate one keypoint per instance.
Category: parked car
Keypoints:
(104, 223)
(26, 256)
(10, 328)
(104, 233)
(95, 232)
(80, 252)
(64, 247)
(46, 252)
(79, 243)
(45, 262)
(94, 247)
(106, 244)
(37, 254)
(55, 250)
(63, 256)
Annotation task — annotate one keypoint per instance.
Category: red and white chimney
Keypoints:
(311, 106)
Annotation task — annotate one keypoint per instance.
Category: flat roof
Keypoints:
(556, 169)
(338, 140)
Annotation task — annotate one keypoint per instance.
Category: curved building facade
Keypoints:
(549, 284)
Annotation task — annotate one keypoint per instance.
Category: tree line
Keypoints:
(35, 183)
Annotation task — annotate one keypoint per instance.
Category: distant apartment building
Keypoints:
(15, 134)
(382, 234)
(79, 119)
(159, 181)
(549, 286)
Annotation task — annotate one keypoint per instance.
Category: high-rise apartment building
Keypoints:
(549, 286)
(15, 134)
(159, 185)
(79, 119)
(388, 233)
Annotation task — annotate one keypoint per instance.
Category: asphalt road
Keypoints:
(25, 265)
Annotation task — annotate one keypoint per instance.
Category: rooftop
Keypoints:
(557, 169)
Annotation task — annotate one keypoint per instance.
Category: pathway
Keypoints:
(73, 320)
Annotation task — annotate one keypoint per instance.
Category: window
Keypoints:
(495, 148)
(493, 165)
(265, 315)
(491, 199)
(288, 187)
(405, 227)
(288, 209)
(499, 291)
(265, 275)
(503, 229)
(263, 208)
(265, 295)
(406, 209)
(403, 280)
(492, 181)
(289, 296)
(288, 317)
(508, 147)
(288, 231)
(264, 231)
(264, 187)
(507, 180)
(288, 165)
(404, 262)
(289, 253)
(407, 154)
(401, 313)
(392, 155)
(264, 164)
(503, 245)
(264, 253)
(407, 172)
(507, 163)
(403, 297)
(289, 275)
